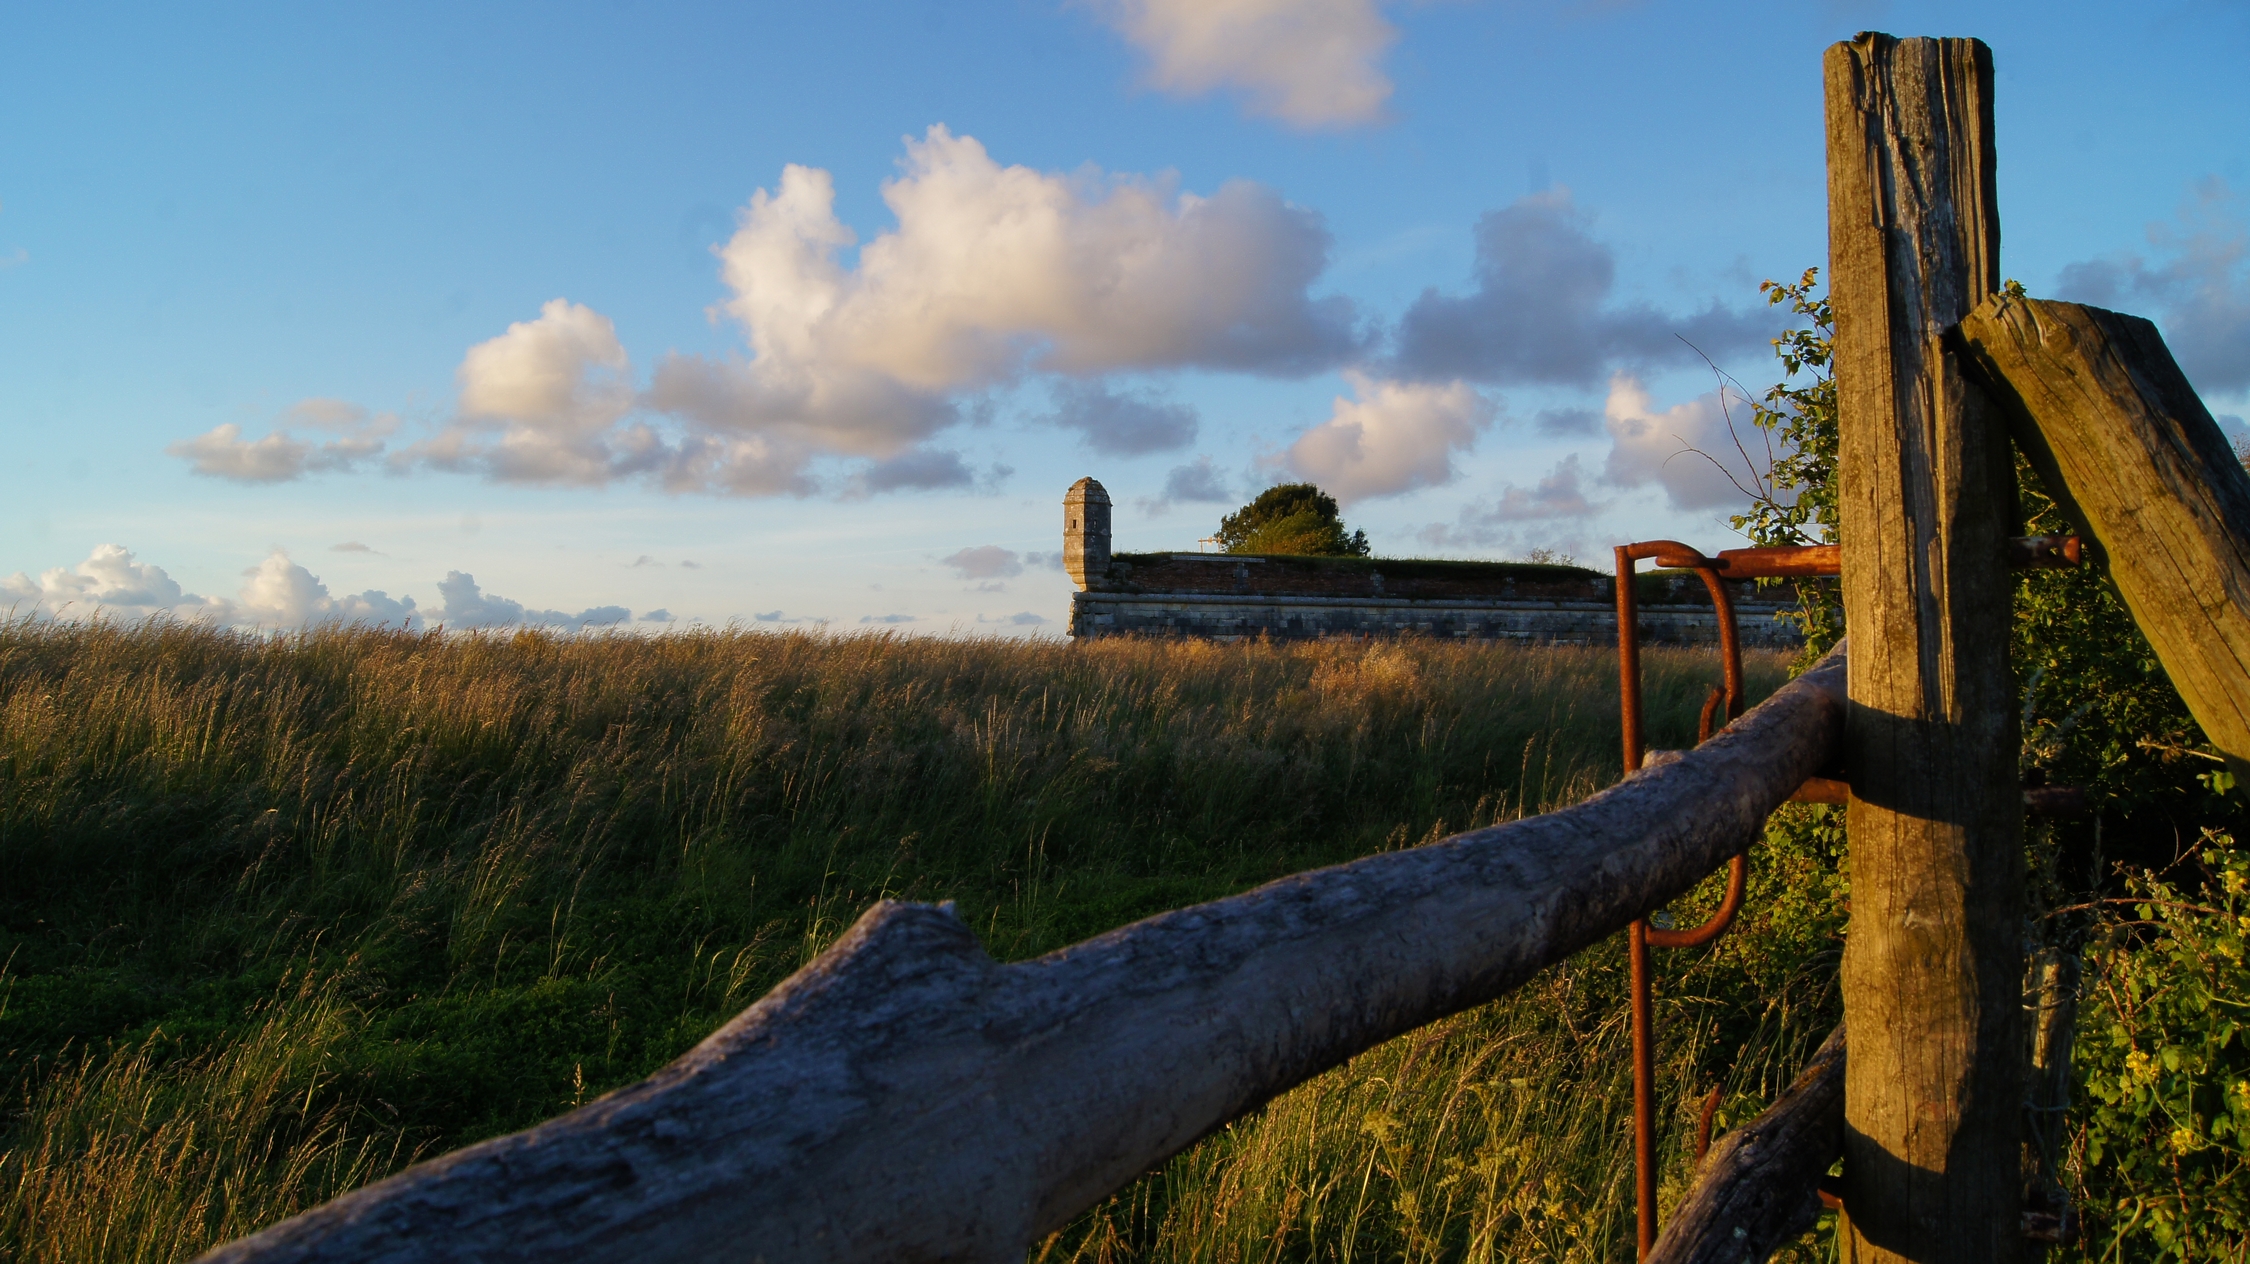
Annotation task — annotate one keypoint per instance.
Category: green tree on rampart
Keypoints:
(1291, 518)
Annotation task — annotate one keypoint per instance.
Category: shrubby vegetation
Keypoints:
(2162, 1146)
(2148, 891)
(1291, 518)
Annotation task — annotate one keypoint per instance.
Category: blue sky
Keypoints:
(513, 311)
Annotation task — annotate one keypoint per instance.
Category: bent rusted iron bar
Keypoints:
(1803, 561)
(1641, 936)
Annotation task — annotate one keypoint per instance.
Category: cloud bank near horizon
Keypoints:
(277, 594)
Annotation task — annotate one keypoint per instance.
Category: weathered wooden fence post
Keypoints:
(1933, 966)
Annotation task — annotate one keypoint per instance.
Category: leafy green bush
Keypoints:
(2163, 1144)
(1291, 518)
(2153, 1149)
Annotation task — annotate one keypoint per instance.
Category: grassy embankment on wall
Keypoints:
(280, 916)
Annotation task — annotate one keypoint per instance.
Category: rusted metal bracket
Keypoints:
(1820, 561)
(1801, 562)
(2040, 801)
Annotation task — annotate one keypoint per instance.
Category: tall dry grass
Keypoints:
(281, 913)
(140, 1152)
(1504, 1133)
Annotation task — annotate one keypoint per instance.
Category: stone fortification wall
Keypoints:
(1223, 596)
(1589, 618)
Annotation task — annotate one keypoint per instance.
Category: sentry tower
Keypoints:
(1085, 531)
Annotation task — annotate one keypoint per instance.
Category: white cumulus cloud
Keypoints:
(282, 454)
(992, 272)
(1392, 437)
(541, 403)
(1695, 451)
(994, 268)
(1491, 520)
(1314, 63)
(109, 582)
(467, 606)
(282, 594)
(278, 593)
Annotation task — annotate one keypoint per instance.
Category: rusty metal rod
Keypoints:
(1810, 561)
(1805, 561)
(1636, 936)
(1629, 657)
(1738, 881)
(1643, 936)
(2039, 801)
(1644, 1093)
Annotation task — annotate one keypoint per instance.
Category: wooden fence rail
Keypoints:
(1760, 1186)
(906, 1098)
(2122, 442)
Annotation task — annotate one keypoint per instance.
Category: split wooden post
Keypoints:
(1933, 968)
(2137, 463)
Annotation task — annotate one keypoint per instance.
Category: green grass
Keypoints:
(279, 916)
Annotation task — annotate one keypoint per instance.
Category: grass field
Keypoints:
(282, 915)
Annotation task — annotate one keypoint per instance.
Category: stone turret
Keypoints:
(1086, 532)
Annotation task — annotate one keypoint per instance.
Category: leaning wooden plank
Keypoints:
(2130, 453)
(905, 1098)
(1760, 1185)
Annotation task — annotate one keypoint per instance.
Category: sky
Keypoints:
(641, 316)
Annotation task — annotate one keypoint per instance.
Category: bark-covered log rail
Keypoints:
(1760, 1186)
(904, 1097)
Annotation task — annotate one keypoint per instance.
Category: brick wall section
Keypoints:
(1223, 596)
(1227, 573)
